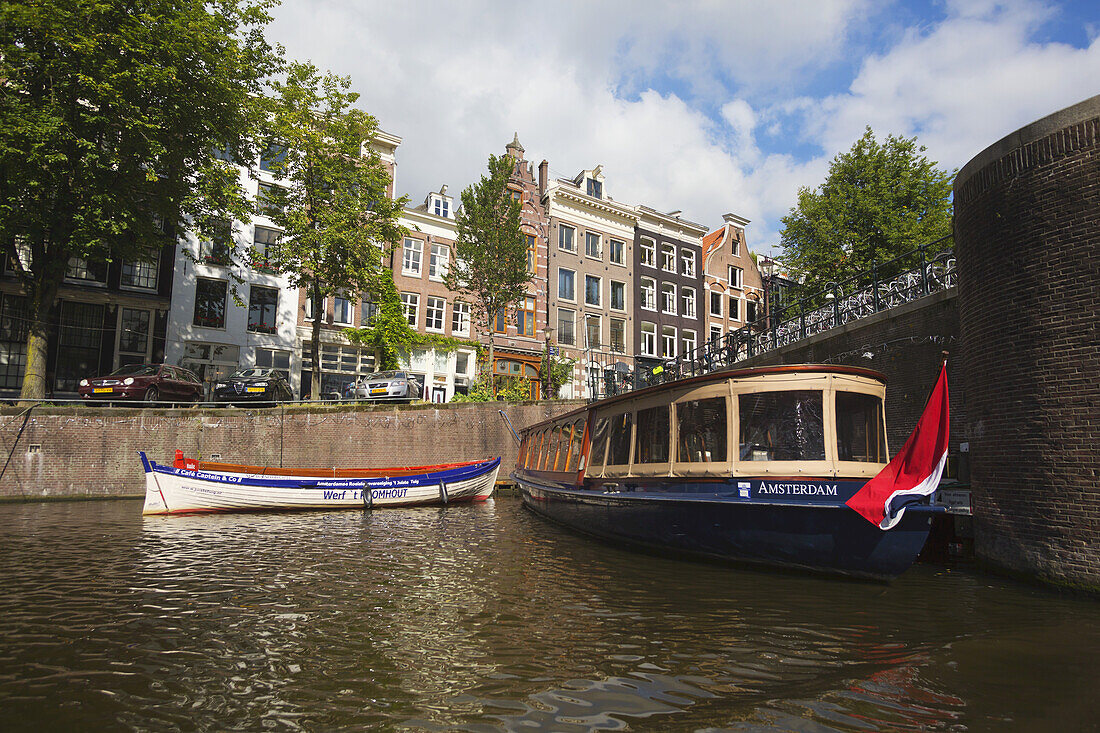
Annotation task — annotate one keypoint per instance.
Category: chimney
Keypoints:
(544, 171)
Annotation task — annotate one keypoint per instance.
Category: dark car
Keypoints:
(143, 383)
(257, 385)
(387, 386)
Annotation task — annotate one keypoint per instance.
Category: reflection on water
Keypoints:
(486, 618)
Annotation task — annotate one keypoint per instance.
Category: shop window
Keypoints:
(781, 426)
(701, 426)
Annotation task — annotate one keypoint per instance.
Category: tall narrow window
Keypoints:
(735, 276)
(567, 327)
(525, 317)
(716, 304)
(566, 285)
(210, 302)
(735, 308)
(649, 339)
(668, 298)
(687, 342)
(566, 238)
(668, 258)
(263, 304)
(410, 258)
(592, 287)
(592, 331)
(687, 302)
(460, 319)
(648, 292)
(265, 242)
(342, 310)
(133, 338)
(532, 253)
(617, 340)
(595, 188)
(439, 263)
(433, 314)
(668, 342)
(653, 431)
(370, 310)
(647, 250)
(592, 246)
(215, 247)
(687, 262)
(410, 304)
(618, 296)
(617, 251)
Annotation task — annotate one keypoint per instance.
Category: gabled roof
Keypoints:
(713, 241)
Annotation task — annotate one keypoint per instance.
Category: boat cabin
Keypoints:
(790, 421)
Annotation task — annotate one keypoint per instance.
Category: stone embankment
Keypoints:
(66, 452)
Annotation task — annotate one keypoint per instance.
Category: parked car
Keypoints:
(257, 385)
(143, 383)
(387, 386)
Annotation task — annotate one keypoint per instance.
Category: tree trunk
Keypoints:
(492, 366)
(42, 299)
(315, 342)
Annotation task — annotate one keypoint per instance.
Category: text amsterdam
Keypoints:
(797, 489)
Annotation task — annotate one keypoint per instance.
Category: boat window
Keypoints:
(701, 425)
(540, 453)
(575, 446)
(561, 454)
(653, 433)
(599, 443)
(859, 435)
(521, 459)
(618, 453)
(782, 426)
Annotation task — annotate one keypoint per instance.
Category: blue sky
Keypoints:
(703, 106)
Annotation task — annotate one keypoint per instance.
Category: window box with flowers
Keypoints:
(263, 328)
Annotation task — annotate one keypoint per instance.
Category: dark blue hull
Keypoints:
(713, 520)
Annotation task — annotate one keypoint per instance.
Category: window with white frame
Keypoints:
(439, 262)
(715, 334)
(687, 302)
(313, 308)
(647, 250)
(649, 339)
(215, 246)
(567, 321)
(433, 314)
(592, 332)
(566, 284)
(140, 274)
(687, 262)
(342, 310)
(594, 188)
(751, 312)
(668, 298)
(648, 292)
(460, 319)
(592, 287)
(592, 245)
(369, 311)
(735, 308)
(617, 251)
(668, 342)
(567, 238)
(441, 207)
(687, 342)
(410, 258)
(668, 257)
(265, 242)
(263, 307)
(410, 305)
(735, 275)
(716, 304)
(618, 296)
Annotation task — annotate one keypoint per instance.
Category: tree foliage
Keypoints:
(334, 210)
(557, 372)
(109, 115)
(878, 201)
(490, 265)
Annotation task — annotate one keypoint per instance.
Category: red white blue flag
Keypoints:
(915, 471)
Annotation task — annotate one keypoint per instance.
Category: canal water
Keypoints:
(485, 618)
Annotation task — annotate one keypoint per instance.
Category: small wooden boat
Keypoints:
(191, 487)
(751, 465)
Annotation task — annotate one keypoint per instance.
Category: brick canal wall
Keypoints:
(1027, 234)
(906, 344)
(79, 451)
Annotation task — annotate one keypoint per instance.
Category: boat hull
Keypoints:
(171, 490)
(715, 522)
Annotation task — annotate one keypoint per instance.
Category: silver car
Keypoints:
(387, 386)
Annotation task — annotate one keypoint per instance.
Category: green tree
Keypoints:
(878, 201)
(335, 210)
(110, 113)
(490, 265)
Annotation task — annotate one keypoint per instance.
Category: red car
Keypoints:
(143, 382)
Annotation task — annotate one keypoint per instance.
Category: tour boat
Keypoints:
(191, 487)
(749, 465)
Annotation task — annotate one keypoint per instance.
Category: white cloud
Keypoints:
(577, 81)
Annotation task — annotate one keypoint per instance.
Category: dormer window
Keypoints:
(595, 188)
(441, 207)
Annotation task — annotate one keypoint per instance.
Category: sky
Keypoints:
(702, 106)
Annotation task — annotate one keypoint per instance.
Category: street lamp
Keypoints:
(547, 330)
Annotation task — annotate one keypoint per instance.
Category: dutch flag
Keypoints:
(915, 471)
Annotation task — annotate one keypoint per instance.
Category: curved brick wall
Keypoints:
(1027, 242)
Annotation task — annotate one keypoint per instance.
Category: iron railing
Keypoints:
(923, 271)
